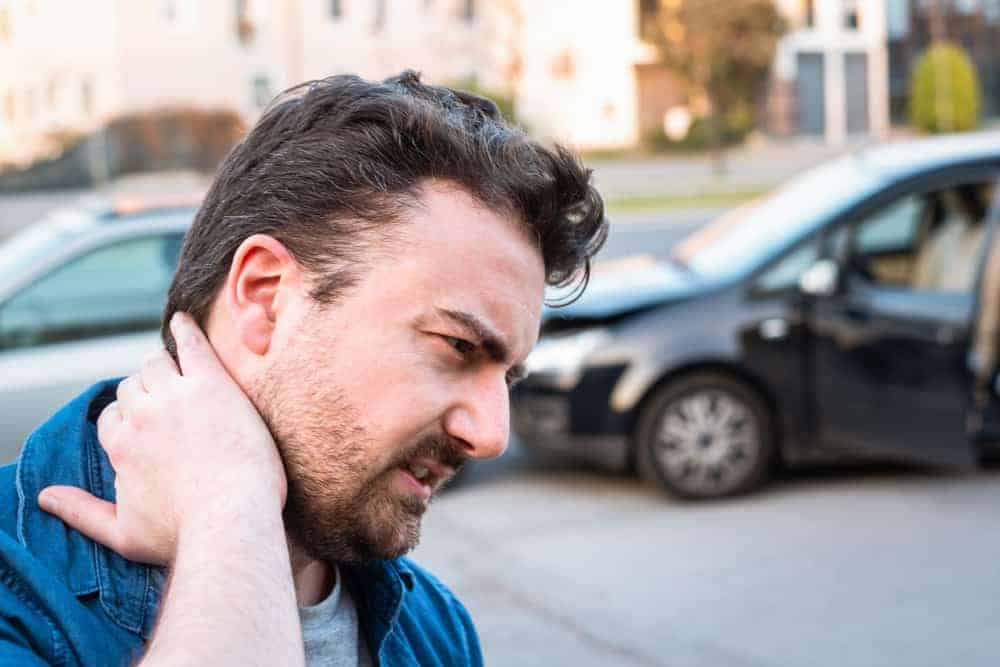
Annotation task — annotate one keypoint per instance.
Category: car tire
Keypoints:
(705, 435)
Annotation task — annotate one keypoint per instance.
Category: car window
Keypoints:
(119, 288)
(892, 228)
(747, 236)
(928, 241)
(785, 273)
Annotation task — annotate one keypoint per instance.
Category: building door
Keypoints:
(811, 87)
(856, 92)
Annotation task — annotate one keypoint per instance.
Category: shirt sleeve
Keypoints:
(472, 648)
(14, 650)
(21, 629)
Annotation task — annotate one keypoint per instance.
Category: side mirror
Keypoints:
(820, 279)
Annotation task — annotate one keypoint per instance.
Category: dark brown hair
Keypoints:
(333, 163)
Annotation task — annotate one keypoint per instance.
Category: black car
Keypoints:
(851, 313)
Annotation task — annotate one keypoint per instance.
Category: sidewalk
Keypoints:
(749, 169)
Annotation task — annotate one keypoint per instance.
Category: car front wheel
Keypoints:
(705, 435)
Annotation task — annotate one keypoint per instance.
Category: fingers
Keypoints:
(109, 421)
(92, 516)
(109, 426)
(130, 393)
(157, 370)
(194, 352)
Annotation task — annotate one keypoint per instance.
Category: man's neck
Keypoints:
(313, 578)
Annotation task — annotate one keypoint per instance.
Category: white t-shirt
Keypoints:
(331, 633)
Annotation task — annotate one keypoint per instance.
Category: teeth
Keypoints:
(419, 472)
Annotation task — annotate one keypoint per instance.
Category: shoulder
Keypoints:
(8, 500)
(435, 608)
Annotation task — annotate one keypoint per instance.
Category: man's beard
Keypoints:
(338, 508)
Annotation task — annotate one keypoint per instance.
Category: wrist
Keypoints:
(233, 519)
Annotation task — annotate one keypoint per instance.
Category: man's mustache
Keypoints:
(441, 448)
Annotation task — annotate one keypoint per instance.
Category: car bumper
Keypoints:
(577, 423)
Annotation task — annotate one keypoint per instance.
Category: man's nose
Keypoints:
(481, 418)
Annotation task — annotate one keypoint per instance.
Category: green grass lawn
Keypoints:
(708, 199)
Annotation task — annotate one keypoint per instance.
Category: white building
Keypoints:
(577, 70)
(832, 69)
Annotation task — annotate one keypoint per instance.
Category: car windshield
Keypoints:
(24, 249)
(742, 238)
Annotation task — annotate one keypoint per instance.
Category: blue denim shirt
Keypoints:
(66, 600)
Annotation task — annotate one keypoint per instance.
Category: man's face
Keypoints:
(376, 400)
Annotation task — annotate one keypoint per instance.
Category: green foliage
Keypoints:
(944, 90)
(172, 139)
(721, 49)
(504, 101)
(732, 132)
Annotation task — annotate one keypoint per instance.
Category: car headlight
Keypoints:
(563, 357)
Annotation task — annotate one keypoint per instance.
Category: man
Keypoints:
(368, 269)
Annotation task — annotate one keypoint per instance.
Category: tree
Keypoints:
(721, 50)
(944, 90)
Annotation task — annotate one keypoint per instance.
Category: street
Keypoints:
(839, 567)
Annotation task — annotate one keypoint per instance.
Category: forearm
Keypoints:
(231, 599)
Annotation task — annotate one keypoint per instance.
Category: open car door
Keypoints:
(891, 353)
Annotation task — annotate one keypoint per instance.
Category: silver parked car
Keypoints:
(81, 294)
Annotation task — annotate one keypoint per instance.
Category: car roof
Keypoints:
(122, 209)
(897, 159)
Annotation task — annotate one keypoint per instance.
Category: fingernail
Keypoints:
(48, 502)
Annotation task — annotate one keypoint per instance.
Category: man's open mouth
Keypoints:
(426, 474)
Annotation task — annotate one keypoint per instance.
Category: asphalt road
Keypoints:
(838, 568)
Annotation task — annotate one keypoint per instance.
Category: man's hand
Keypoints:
(188, 448)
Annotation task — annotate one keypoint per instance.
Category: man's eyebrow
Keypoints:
(487, 336)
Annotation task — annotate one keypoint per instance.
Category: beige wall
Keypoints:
(197, 58)
(579, 82)
(56, 71)
(432, 37)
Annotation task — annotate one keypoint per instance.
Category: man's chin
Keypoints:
(369, 539)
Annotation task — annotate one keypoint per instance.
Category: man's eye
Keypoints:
(461, 346)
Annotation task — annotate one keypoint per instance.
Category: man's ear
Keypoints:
(258, 288)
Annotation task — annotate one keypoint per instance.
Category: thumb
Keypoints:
(195, 354)
(88, 514)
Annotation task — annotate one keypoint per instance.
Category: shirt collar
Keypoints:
(378, 589)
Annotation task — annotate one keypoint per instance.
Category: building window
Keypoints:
(181, 15)
(852, 14)
(468, 10)
(29, 103)
(379, 21)
(809, 13)
(991, 11)
(5, 28)
(260, 90)
(52, 93)
(244, 22)
(336, 9)
(9, 107)
(87, 98)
